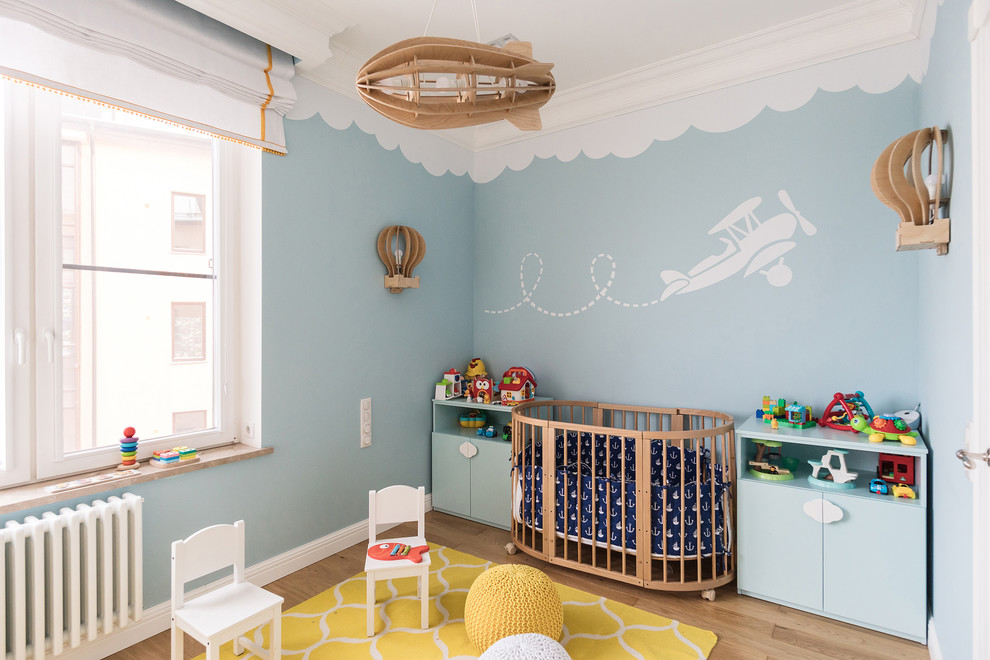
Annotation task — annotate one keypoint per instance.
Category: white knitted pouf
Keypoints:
(527, 646)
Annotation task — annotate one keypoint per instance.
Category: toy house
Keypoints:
(798, 416)
(518, 385)
(896, 469)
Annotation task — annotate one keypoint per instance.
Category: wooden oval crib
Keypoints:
(598, 451)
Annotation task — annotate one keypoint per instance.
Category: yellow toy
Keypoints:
(900, 490)
(475, 368)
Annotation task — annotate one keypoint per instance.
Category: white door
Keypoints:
(979, 437)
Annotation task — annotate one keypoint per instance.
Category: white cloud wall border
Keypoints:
(875, 72)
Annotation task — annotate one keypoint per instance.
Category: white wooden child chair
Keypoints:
(228, 612)
(392, 505)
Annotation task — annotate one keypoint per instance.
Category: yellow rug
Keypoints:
(333, 624)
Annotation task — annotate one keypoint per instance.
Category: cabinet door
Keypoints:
(779, 545)
(875, 564)
(451, 476)
(490, 483)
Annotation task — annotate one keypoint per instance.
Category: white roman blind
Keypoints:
(154, 57)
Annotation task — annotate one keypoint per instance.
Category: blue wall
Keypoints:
(333, 334)
(945, 338)
(836, 326)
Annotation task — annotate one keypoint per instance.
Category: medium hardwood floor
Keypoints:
(747, 628)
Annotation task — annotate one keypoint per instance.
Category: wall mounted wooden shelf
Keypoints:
(898, 182)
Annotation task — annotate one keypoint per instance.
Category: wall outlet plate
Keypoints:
(366, 422)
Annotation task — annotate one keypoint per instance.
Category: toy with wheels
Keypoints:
(900, 490)
(879, 486)
(885, 427)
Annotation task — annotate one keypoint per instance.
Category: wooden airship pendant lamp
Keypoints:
(437, 83)
(400, 249)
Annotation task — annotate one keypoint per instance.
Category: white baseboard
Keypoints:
(158, 618)
(934, 651)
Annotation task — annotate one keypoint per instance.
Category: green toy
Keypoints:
(885, 427)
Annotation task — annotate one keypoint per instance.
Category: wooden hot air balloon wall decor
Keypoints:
(401, 249)
(918, 199)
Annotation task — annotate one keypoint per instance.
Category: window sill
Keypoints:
(31, 495)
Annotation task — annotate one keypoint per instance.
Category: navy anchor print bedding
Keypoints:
(604, 483)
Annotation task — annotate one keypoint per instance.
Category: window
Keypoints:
(188, 222)
(188, 331)
(188, 421)
(110, 279)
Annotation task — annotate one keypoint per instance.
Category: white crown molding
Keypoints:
(301, 28)
(827, 36)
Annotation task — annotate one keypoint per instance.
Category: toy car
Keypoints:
(879, 486)
(488, 431)
(900, 490)
(507, 432)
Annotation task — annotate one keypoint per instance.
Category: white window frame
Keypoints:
(16, 307)
(33, 389)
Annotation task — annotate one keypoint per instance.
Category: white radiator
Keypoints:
(70, 576)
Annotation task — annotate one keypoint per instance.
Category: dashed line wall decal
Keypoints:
(748, 246)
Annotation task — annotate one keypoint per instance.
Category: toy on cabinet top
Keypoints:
(885, 427)
(843, 408)
(518, 385)
(476, 367)
(776, 412)
(911, 417)
(450, 386)
(481, 389)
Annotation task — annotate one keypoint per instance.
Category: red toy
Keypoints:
(388, 551)
(518, 385)
(849, 406)
(896, 469)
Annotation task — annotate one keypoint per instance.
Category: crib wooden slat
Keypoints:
(699, 440)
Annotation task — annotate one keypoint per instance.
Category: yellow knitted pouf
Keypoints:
(512, 599)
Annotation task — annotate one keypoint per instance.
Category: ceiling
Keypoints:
(609, 58)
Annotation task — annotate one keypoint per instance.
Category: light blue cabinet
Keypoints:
(471, 471)
(778, 545)
(849, 554)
